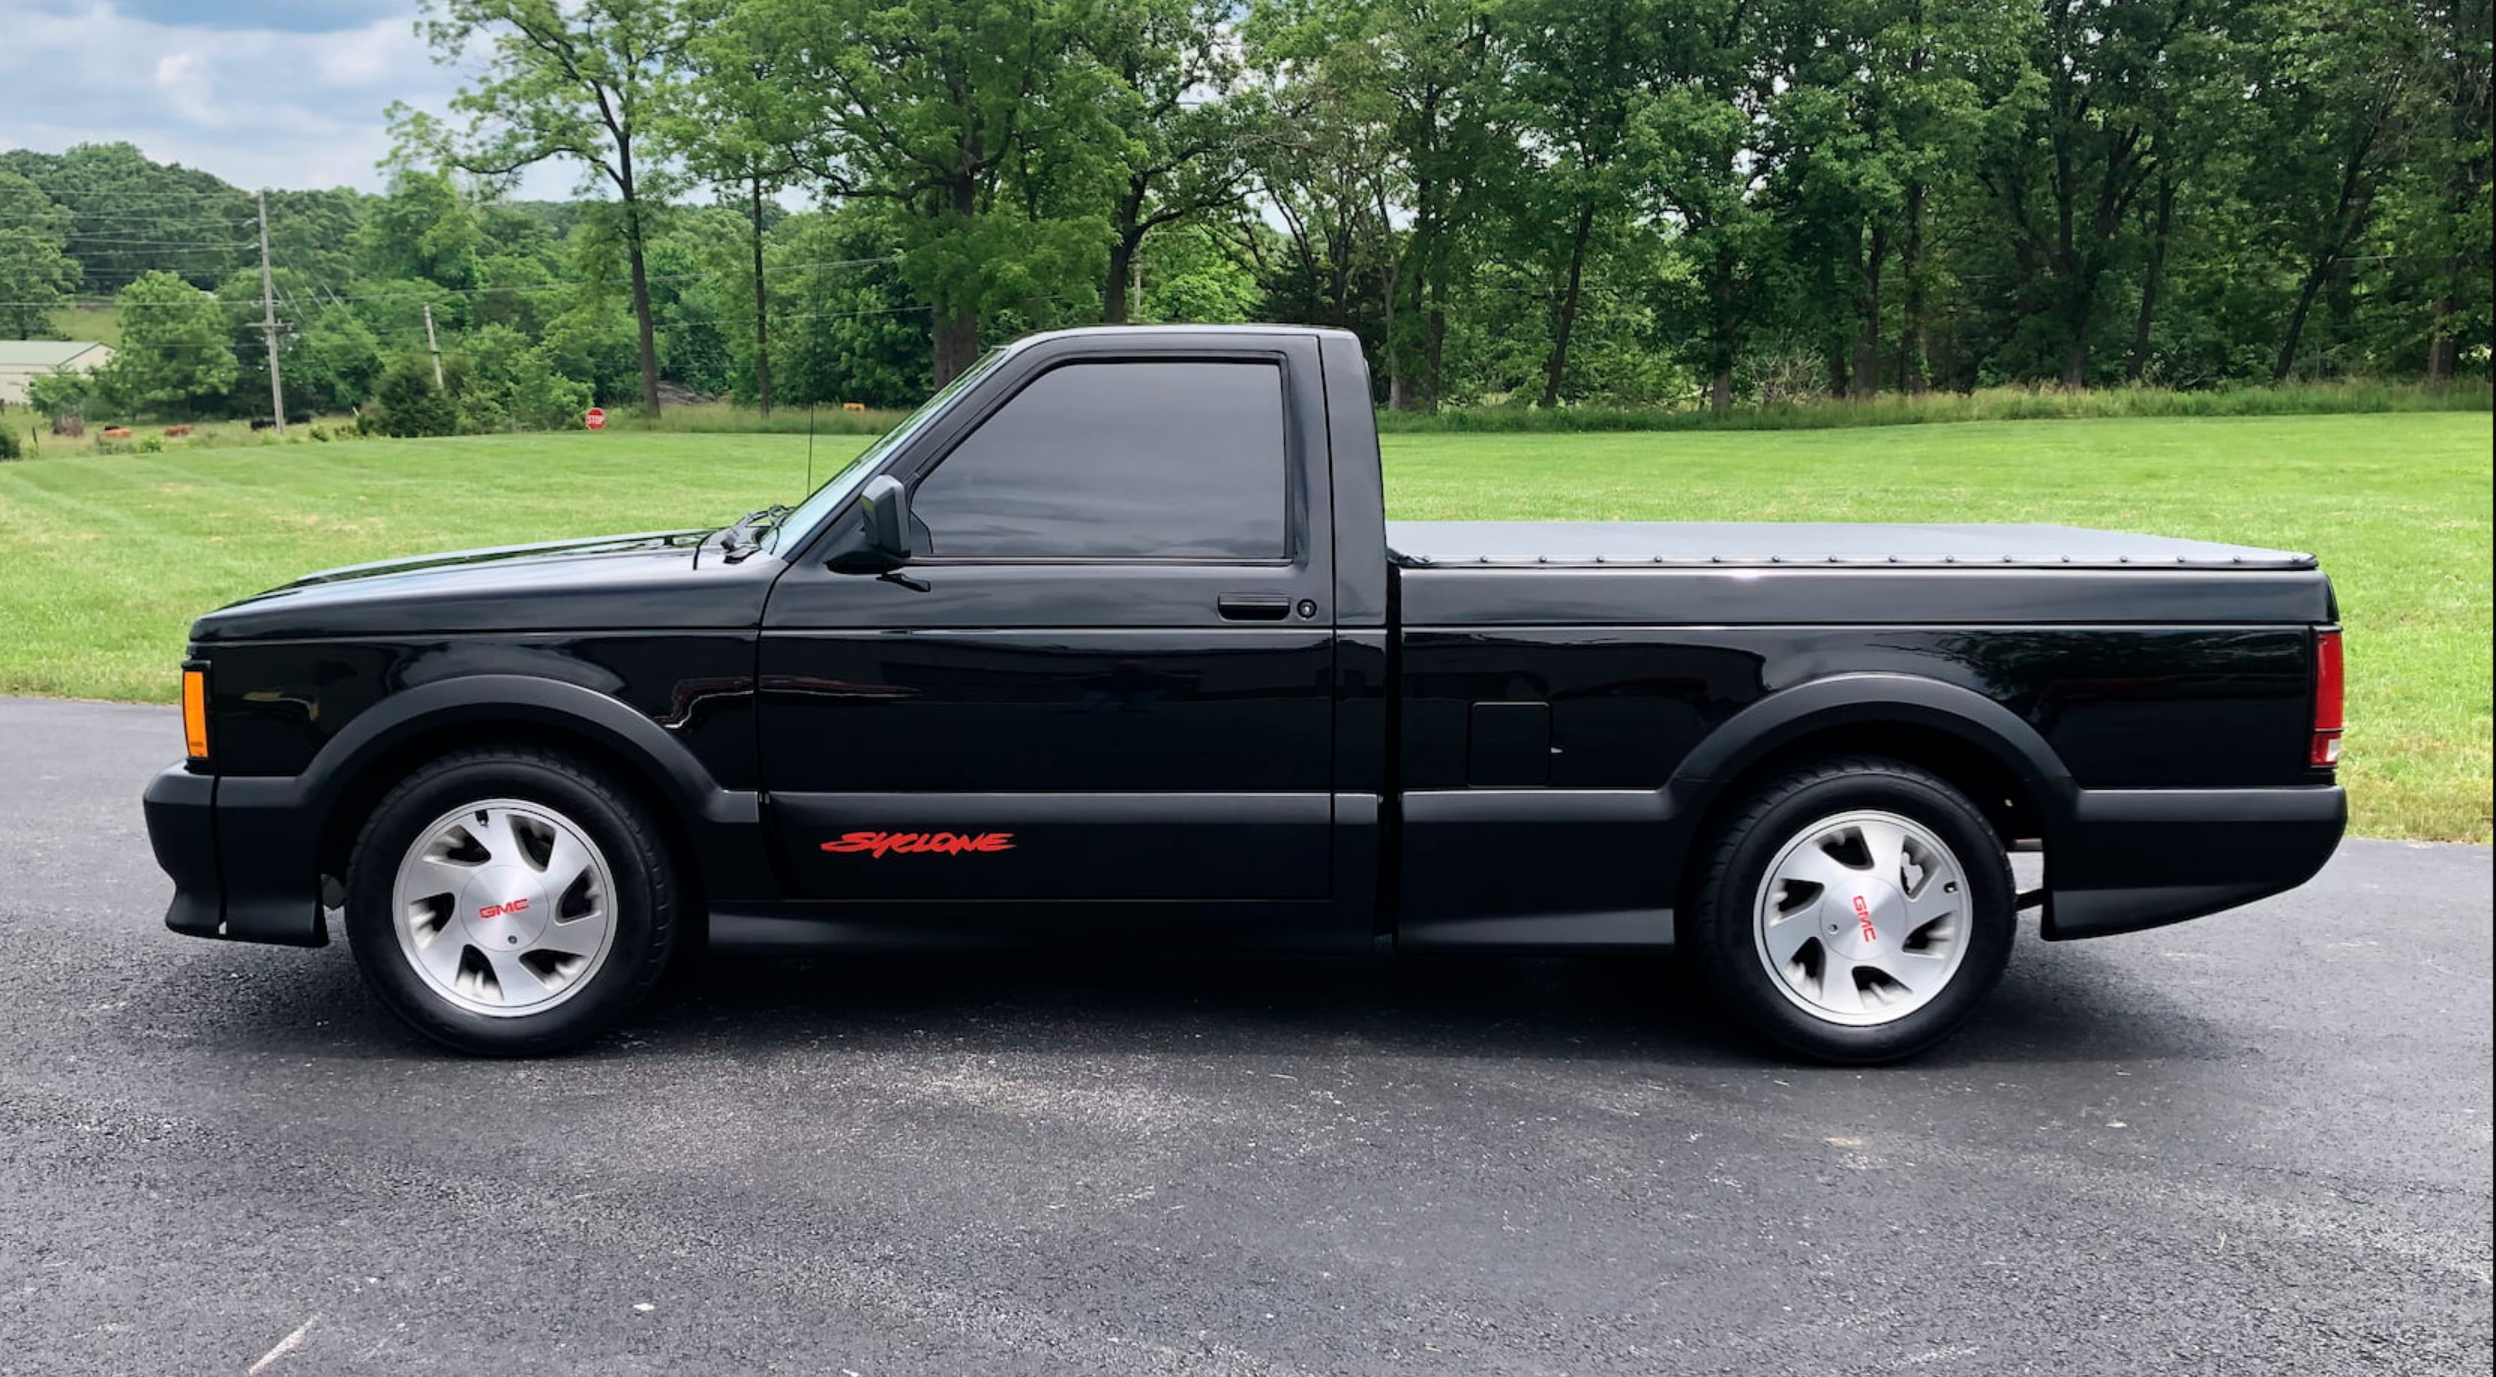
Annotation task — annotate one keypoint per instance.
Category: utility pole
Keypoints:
(268, 321)
(435, 348)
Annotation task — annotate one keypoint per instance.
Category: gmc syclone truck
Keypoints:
(1111, 643)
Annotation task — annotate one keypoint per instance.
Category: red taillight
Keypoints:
(2330, 697)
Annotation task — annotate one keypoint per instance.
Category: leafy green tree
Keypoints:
(2343, 88)
(424, 229)
(1192, 279)
(1331, 259)
(1182, 129)
(587, 82)
(176, 352)
(512, 384)
(1427, 75)
(130, 215)
(1580, 78)
(35, 270)
(333, 362)
(982, 126)
(1698, 145)
(2102, 80)
(61, 394)
(851, 327)
(742, 125)
(317, 233)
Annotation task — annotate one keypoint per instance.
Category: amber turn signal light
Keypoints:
(195, 711)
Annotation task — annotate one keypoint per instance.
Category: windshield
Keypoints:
(835, 490)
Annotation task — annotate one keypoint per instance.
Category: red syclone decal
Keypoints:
(921, 843)
(1863, 915)
(498, 910)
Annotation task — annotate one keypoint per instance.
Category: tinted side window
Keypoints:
(1119, 461)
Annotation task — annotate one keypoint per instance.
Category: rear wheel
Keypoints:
(510, 901)
(1854, 911)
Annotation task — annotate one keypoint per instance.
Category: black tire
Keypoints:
(1724, 926)
(647, 921)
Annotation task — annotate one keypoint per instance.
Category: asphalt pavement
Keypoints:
(2259, 1143)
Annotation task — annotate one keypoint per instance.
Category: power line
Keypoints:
(452, 291)
(75, 238)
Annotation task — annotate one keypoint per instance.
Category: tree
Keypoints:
(2445, 222)
(1581, 78)
(1698, 146)
(741, 125)
(130, 215)
(2345, 81)
(176, 349)
(2095, 109)
(423, 228)
(978, 122)
(1425, 74)
(35, 270)
(587, 81)
(1182, 130)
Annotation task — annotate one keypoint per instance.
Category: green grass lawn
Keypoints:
(108, 558)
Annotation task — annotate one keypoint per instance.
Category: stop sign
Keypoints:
(594, 418)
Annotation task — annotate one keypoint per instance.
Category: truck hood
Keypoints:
(653, 581)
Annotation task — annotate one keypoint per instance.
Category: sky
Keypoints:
(263, 93)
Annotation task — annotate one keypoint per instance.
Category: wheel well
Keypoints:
(354, 803)
(1997, 791)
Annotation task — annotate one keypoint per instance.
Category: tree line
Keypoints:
(1638, 202)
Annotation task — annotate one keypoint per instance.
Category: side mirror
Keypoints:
(886, 504)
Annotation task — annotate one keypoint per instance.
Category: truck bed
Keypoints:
(1429, 544)
(1628, 573)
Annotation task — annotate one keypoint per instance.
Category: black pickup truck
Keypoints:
(1111, 643)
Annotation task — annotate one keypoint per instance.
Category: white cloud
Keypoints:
(258, 106)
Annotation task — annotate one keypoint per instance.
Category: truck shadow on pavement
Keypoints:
(2057, 1004)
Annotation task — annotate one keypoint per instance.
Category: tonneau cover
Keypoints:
(1444, 544)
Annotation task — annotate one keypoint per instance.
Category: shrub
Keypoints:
(407, 403)
(9, 447)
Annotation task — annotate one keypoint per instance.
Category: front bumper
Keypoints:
(2128, 859)
(242, 855)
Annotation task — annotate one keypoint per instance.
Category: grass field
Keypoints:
(108, 558)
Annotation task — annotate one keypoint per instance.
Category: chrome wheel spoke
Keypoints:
(566, 863)
(582, 936)
(493, 831)
(1937, 900)
(515, 983)
(1785, 936)
(1837, 985)
(1813, 865)
(439, 957)
(1887, 844)
(1920, 973)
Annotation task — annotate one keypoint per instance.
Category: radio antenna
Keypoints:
(810, 448)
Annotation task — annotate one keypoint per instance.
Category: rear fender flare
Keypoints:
(1841, 700)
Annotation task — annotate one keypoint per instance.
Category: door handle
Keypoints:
(1254, 607)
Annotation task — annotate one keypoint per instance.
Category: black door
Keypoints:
(1113, 680)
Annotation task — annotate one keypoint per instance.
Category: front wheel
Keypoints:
(510, 901)
(1855, 911)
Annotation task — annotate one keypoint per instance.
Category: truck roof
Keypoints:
(1444, 544)
(1116, 333)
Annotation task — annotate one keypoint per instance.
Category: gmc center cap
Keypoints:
(505, 906)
